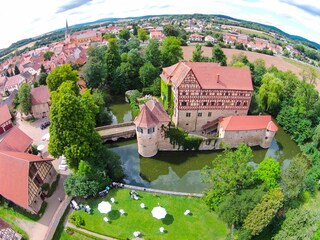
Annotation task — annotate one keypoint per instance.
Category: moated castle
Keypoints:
(206, 100)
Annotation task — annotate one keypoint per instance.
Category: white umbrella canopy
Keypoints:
(159, 212)
(40, 147)
(104, 207)
(46, 137)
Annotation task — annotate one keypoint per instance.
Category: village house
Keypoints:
(15, 140)
(3, 81)
(209, 39)
(13, 83)
(196, 38)
(157, 35)
(5, 119)
(40, 101)
(21, 177)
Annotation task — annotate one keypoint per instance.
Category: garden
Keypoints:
(197, 223)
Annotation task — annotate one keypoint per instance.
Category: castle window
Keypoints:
(150, 130)
(238, 104)
(226, 94)
(245, 104)
(200, 114)
(183, 93)
(266, 138)
(219, 103)
(183, 103)
(140, 130)
(204, 103)
(213, 103)
(188, 114)
(209, 114)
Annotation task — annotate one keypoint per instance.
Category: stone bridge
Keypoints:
(114, 132)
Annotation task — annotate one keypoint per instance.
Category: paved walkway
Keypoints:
(161, 191)
(88, 232)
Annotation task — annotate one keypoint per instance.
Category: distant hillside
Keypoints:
(234, 21)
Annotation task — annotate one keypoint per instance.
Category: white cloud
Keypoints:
(24, 19)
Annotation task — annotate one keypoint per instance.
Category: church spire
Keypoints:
(67, 34)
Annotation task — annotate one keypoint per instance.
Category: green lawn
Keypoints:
(201, 224)
(10, 216)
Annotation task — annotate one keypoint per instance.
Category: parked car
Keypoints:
(45, 125)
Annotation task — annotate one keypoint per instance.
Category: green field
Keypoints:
(200, 224)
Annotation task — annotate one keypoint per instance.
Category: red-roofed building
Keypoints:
(251, 130)
(204, 92)
(40, 100)
(151, 119)
(21, 178)
(16, 140)
(196, 37)
(157, 34)
(5, 119)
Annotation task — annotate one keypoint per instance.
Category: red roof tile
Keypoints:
(14, 172)
(158, 111)
(145, 119)
(40, 95)
(4, 114)
(210, 75)
(243, 123)
(15, 140)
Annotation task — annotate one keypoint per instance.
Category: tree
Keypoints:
(229, 172)
(61, 74)
(43, 76)
(108, 36)
(235, 207)
(170, 30)
(16, 70)
(241, 57)
(148, 73)
(218, 56)
(152, 53)
(124, 34)
(112, 59)
(264, 212)
(72, 125)
(269, 172)
(270, 92)
(142, 34)
(171, 51)
(299, 224)
(310, 75)
(24, 96)
(103, 117)
(292, 177)
(47, 55)
(258, 72)
(197, 54)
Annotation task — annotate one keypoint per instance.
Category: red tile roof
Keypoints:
(210, 75)
(4, 114)
(15, 140)
(158, 111)
(145, 119)
(244, 123)
(14, 172)
(12, 81)
(40, 95)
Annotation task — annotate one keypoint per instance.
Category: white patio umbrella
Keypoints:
(159, 212)
(104, 207)
(40, 147)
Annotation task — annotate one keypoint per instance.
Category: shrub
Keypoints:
(76, 220)
(45, 187)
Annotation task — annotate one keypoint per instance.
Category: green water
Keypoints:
(121, 111)
(180, 171)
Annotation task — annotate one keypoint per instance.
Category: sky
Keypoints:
(30, 18)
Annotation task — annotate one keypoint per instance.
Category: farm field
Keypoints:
(277, 61)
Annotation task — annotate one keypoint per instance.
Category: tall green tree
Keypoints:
(72, 125)
(148, 73)
(292, 177)
(47, 55)
(170, 30)
(152, 53)
(197, 54)
(218, 55)
(112, 59)
(264, 212)
(16, 70)
(43, 76)
(24, 96)
(171, 51)
(270, 93)
(268, 171)
(229, 173)
(61, 74)
(124, 34)
(258, 72)
(142, 34)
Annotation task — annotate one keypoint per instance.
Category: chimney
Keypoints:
(218, 78)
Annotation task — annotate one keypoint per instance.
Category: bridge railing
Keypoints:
(115, 126)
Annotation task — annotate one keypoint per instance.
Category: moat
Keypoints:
(180, 171)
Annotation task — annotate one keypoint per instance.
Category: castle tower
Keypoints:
(67, 35)
(269, 135)
(148, 127)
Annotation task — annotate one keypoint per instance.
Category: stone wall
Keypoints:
(251, 137)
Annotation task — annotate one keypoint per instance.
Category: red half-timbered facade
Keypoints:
(204, 92)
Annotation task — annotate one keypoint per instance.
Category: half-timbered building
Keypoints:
(203, 92)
